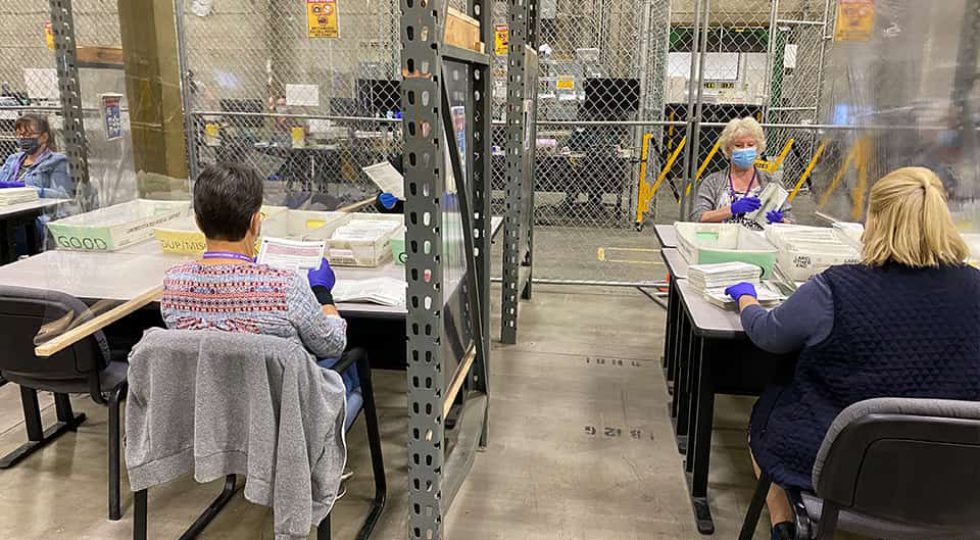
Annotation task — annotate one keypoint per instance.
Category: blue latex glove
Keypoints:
(739, 290)
(388, 200)
(5, 185)
(745, 204)
(774, 216)
(322, 276)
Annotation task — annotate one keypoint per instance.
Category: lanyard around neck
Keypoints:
(227, 255)
(731, 184)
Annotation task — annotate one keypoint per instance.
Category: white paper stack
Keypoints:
(17, 195)
(703, 277)
(773, 197)
(767, 295)
(805, 251)
(364, 230)
(386, 291)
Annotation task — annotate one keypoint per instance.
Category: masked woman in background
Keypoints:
(726, 196)
(37, 165)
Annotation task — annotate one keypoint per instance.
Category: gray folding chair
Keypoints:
(84, 367)
(893, 468)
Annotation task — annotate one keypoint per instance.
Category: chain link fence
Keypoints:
(619, 83)
(29, 84)
(307, 93)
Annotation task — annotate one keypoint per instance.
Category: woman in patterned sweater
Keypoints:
(227, 291)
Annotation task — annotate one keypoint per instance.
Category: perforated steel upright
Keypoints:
(424, 168)
(63, 28)
(436, 471)
(519, 146)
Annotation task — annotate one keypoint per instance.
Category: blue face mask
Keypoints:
(743, 158)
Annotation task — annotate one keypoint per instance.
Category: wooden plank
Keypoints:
(461, 372)
(462, 31)
(86, 329)
(100, 55)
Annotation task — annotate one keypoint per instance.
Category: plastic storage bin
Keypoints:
(709, 243)
(398, 247)
(115, 227)
(806, 251)
(363, 252)
(182, 236)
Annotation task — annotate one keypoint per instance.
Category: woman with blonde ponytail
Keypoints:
(905, 322)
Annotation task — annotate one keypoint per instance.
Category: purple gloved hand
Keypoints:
(5, 185)
(739, 290)
(745, 204)
(774, 216)
(322, 276)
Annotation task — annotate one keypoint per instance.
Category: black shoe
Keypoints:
(784, 531)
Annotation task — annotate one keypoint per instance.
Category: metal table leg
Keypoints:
(702, 421)
(673, 313)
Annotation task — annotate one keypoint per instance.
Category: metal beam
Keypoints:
(76, 145)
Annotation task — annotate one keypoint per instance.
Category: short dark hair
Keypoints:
(226, 196)
(37, 123)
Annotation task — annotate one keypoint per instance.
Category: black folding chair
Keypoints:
(84, 367)
(891, 468)
(358, 402)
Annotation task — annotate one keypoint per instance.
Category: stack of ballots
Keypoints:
(711, 280)
(17, 195)
(805, 251)
(718, 276)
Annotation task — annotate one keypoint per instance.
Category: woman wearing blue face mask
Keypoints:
(37, 165)
(726, 196)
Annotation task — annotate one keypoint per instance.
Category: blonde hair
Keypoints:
(738, 127)
(909, 223)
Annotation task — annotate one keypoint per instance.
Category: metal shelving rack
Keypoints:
(73, 122)
(448, 392)
(520, 132)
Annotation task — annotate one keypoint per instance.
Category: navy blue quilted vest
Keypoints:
(898, 332)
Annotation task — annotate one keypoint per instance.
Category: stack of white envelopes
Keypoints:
(711, 280)
(10, 196)
(718, 276)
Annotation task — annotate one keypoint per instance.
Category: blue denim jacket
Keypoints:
(49, 175)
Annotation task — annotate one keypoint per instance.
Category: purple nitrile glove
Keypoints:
(774, 216)
(745, 204)
(322, 276)
(388, 200)
(5, 185)
(739, 290)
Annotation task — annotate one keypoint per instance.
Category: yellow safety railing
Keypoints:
(808, 170)
(859, 152)
(704, 165)
(646, 193)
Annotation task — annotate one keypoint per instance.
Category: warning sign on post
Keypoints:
(855, 20)
(321, 19)
(501, 39)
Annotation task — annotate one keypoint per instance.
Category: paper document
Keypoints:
(17, 195)
(386, 291)
(773, 197)
(386, 178)
(767, 295)
(719, 276)
(291, 254)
